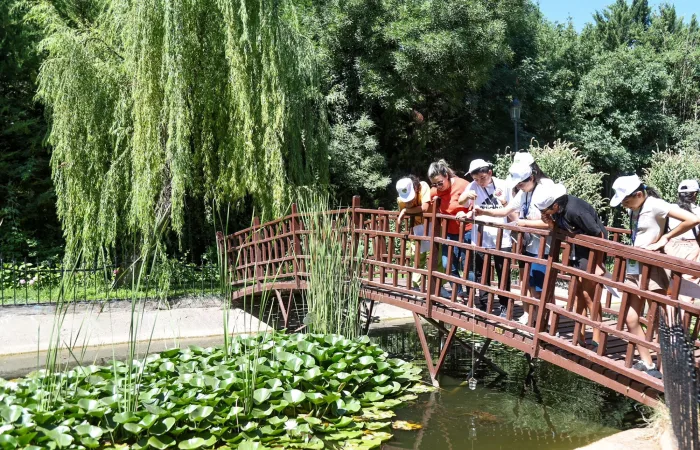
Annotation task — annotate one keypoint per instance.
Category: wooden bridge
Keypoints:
(552, 333)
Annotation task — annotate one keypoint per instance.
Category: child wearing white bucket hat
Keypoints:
(526, 178)
(414, 200)
(488, 192)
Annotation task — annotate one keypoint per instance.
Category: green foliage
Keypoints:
(356, 167)
(29, 223)
(563, 163)
(153, 101)
(197, 396)
(669, 168)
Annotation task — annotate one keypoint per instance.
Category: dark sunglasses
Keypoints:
(438, 184)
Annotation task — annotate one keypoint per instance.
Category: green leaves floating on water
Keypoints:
(288, 391)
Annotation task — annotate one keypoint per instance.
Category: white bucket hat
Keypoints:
(523, 158)
(623, 187)
(405, 189)
(518, 173)
(688, 186)
(478, 164)
(544, 198)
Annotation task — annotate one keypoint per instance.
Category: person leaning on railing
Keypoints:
(448, 187)
(648, 215)
(574, 215)
(489, 192)
(526, 177)
(685, 246)
(414, 200)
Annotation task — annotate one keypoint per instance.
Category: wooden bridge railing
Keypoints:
(273, 255)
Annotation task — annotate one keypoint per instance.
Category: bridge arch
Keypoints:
(553, 333)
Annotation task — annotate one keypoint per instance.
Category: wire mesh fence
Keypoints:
(29, 282)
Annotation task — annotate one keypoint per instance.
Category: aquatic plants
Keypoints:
(308, 388)
(333, 262)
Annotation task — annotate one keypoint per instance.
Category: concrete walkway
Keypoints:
(99, 332)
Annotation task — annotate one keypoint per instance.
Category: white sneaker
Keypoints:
(524, 318)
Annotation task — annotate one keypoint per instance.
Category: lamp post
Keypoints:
(515, 117)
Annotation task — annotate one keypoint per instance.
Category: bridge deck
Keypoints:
(554, 329)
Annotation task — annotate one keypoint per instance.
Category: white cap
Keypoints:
(688, 186)
(478, 164)
(518, 173)
(623, 187)
(523, 158)
(405, 189)
(544, 198)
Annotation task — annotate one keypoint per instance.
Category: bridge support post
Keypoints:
(480, 358)
(433, 369)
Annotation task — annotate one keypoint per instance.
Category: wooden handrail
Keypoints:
(279, 247)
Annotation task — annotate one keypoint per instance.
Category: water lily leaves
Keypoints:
(373, 426)
(380, 379)
(352, 406)
(161, 442)
(148, 420)
(133, 428)
(235, 396)
(343, 435)
(294, 397)
(372, 396)
(383, 366)
(261, 395)
(420, 388)
(365, 361)
(294, 364)
(125, 417)
(11, 413)
(192, 443)
(252, 445)
(170, 353)
(163, 426)
(167, 366)
(58, 435)
(89, 430)
(405, 425)
(8, 441)
(201, 413)
(89, 442)
(312, 374)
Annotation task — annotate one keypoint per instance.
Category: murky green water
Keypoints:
(551, 409)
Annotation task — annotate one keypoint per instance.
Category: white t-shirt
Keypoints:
(688, 235)
(522, 201)
(650, 222)
(486, 199)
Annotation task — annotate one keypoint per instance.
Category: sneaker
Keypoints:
(524, 318)
(504, 312)
(642, 367)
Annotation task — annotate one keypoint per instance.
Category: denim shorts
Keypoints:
(536, 273)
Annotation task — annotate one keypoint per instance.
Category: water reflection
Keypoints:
(538, 405)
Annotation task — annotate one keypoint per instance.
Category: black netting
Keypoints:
(680, 381)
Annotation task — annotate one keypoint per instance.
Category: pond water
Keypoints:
(551, 409)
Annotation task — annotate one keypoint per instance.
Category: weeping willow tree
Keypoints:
(155, 101)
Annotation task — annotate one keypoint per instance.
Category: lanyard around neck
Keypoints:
(634, 223)
(492, 201)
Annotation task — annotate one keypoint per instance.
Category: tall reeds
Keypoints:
(333, 265)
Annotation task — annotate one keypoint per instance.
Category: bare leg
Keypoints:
(635, 327)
